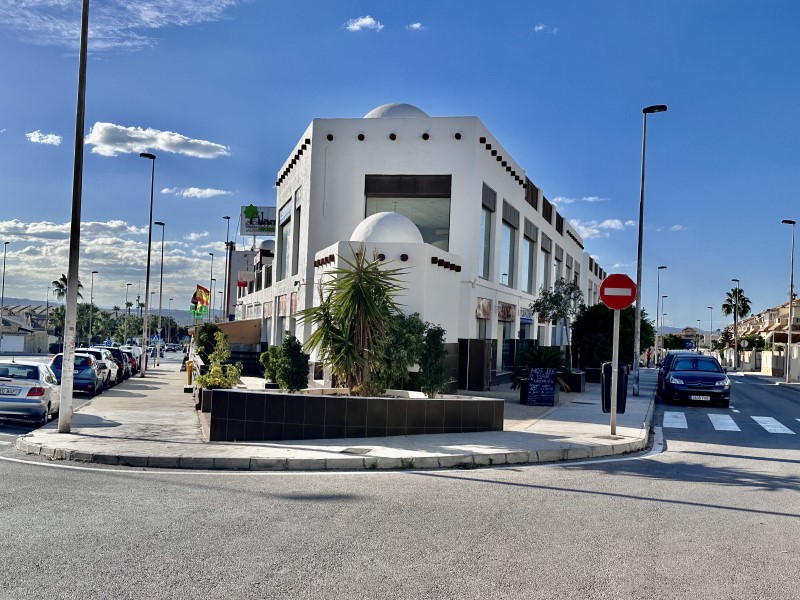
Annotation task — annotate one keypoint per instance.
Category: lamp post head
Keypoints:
(147, 155)
(788, 222)
(655, 108)
(226, 217)
(662, 267)
(710, 307)
(159, 223)
(95, 272)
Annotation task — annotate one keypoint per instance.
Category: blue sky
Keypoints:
(221, 90)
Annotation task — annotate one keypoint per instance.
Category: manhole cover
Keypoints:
(356, 451)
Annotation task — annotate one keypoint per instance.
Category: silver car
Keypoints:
(28, 390)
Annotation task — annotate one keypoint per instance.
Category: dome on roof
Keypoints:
(266, 245)
(387, 227)
(396, 111)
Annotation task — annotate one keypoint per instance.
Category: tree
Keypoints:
(592, 333)
(290, 365)
(431, 363)
(60, 288)
(353, 321)
(673, 342)
(116, 310)
(404, 352)
(205, 343)
(735, 299)
(559, 305)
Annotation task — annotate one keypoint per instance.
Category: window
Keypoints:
(546, 266)
(528, 265)
(508, 244)
(424, 199)
(296, 237)
(486, 243)
(284, 241)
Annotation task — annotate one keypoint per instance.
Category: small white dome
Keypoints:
(396, 111)
(267, 245)
(388, 227)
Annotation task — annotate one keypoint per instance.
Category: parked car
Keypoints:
(666, 364)
(134, 364)
(87, 377)
(697, 378)
(124, 369)
(110, 375)
(28, 390)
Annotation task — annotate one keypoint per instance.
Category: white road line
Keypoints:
(675, 420)
(736, 410)
(772, 425)
(723, 423)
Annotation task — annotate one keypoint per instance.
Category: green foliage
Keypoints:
(220, 375)
(290, 365)
(673, 342)
(593, 329)
(431, 363)
(736, 300)
(542, 357)
(206, 340)
(268, 360)
(561, 303)
(352, 324)
(754, 342)
(403, 352)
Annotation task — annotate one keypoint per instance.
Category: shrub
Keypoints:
(206, 340)
(268, 360)
(431, 363)
(220, 376)
(290, 364)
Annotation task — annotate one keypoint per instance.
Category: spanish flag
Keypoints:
(200, 301)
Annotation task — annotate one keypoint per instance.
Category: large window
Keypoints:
(424, 199)
(486, 243)
(508, 244)
(528, 265)
(284, 242)
(545, 269)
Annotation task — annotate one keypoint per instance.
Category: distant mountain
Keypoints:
(181, 317)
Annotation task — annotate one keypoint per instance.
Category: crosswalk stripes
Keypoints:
(772, 425)
(725, 422)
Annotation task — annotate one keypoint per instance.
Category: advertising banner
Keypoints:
(257, 220)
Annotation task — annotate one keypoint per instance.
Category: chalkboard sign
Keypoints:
(542, 387)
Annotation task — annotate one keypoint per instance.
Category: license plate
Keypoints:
(6, 391)
(701, 398)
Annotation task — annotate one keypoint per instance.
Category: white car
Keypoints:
(28, 390)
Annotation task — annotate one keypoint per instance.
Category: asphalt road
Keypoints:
(702, 519)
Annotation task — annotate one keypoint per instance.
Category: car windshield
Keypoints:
(697, 364)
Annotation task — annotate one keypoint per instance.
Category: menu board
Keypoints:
(542, 387)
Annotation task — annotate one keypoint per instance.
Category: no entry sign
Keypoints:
(617, 291)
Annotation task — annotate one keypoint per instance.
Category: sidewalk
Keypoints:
(151, 422)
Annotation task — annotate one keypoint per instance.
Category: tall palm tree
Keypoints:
(60, 288)
(736, 300)
(116, 310)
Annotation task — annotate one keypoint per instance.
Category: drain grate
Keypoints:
(356, 451)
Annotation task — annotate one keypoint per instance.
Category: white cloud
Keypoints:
(415, 27)
(193, 237)
(3, 130)
(563, 200)
(678, 228)
(630, 223)
(622, 265)
(109, 140)
(362, 23)
(37, 137)
(542, 28)
(596, 229)
(113, 24)
(193, 192)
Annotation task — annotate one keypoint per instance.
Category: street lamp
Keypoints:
(637, 326)
(698, 335)
(210, 285)
(145, 328)
(47, 317)
(791, 302)
(219, 293)
(736, 324)
(3, 295)
(211, 298)
(711, 328)
(91, 306)
(169, 310)
(226, 279)
(662, 320)
(658, 298)
(128, 308)
(160, 285)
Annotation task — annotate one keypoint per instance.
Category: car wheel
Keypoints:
(92, 391)
(46, 417)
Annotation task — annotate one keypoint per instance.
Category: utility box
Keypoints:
(622, 387)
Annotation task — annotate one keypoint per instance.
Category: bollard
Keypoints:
(189, 366)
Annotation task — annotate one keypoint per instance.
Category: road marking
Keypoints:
(772, 425)
(736, 410)
(723, 423)
(675, 420)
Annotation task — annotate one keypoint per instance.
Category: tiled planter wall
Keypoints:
(254, 416)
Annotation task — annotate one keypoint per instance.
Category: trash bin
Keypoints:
(622, 387)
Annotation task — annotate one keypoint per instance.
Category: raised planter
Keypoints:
(576, 380)
(266, 416)
(592, 374)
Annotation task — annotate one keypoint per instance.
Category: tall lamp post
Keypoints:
(91, 306)
(698, 335)
(169, 329)
(145, 328)
(227, 275)
(127, 308)
(220, 294)
(791, 302)
(711, 328)
(3, 295)
(210, 286)
(663, 314)
(160, 286)
(736, 324)
(637, 326)
(658, 298)
(211, 299)
(47, 318)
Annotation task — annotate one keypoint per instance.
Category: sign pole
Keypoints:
(614, 372)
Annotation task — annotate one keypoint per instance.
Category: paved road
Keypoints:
(705, 519)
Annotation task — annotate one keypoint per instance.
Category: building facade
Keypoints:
(468, 198)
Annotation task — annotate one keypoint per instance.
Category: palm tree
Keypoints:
(353, 321)
(116, 310)
(60, 288)
(736, 300)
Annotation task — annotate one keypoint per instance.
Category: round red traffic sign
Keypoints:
(617, 291)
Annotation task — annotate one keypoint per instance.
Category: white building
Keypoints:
(473, 205)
